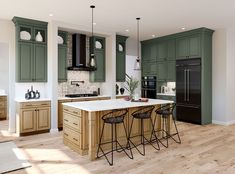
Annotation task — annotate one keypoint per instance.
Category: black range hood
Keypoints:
(79, 54)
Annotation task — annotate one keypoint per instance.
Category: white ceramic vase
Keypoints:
(39, 37)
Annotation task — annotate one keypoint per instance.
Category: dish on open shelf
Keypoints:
(24, 35)
(60, 40)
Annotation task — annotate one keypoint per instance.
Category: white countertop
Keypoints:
(32, 100)
(166, 94)
(71, 98)
(102, 105)
(3, 95)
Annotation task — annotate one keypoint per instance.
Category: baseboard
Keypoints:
(223, 122)
(54, 130)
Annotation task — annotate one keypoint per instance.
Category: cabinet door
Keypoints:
(149, 52)
(99, 74)
(171, 71)
(182, 50)
(171, 49)
(162, 71)
(194, 46)
(27, 120)
(120, 66)
(62, 63)
(162, 51)
(25, 62)
(40, 65)
(43, 118)
(149, 68)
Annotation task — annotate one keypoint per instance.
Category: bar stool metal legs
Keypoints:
(165, 112)
(142, 114)
(113, 118)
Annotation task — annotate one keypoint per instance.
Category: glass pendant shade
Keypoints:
(137, 64)
(92, 60)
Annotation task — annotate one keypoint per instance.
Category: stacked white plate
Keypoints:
(24, 35)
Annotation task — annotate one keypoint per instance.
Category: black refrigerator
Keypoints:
(188, 90)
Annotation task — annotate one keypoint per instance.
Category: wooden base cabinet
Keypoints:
(60, 106)
(33, 117)
(3, 107)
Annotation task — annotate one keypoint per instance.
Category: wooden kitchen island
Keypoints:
(83, 123)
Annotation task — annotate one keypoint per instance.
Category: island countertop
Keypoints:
(103, 105)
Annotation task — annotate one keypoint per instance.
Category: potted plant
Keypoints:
(131, 85)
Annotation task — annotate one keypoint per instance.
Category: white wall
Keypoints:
(223, 76)
(4, 66)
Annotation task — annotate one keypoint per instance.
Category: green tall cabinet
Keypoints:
(31, 51)
(62, 57)
(191, 44)
(121, 58)
(97, 45)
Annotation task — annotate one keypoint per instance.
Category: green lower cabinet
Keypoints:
(62, 63)
(24, 71)
(40, 65)
(162, 71)
(171, 71)
(166, 97)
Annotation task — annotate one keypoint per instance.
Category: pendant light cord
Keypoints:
(138, 39)
(92, 18)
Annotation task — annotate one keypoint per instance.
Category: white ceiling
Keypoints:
(159, 17)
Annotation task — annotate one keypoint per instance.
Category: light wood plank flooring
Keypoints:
(204, 150)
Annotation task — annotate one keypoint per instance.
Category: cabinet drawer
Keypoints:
(2, 104)
(3, 98)
(71, 135)
(72, 121)
(2, 113)
(35, 104)
(71, 110)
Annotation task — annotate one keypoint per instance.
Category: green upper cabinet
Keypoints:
(31, 50)
(120, 58)
(62, 56)
(97, 45)
(171, 49)
(149, 68)
(171, 71)
(188, 47)
(162, 51)
(162, 71)
(149, 52)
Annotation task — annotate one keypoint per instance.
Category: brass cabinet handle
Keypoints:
(75, 124)
(75, 112)
(66, 120)
(29, 105)
(66, 134)
(44, 104)
(75, 139)
(66, 109)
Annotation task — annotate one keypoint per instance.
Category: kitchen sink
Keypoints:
(80, 95)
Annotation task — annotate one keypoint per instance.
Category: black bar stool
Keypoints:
(115, 117)
(143, 114)
(165, 112)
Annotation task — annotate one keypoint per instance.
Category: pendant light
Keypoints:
(92, 55)
(137, 62)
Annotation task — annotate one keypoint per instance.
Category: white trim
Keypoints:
(223, 122)
(54, 130)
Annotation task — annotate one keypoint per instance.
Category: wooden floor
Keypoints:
(204, 150)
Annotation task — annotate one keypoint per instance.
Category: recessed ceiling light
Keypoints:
(94, 23)
(183, 28)
(127, 30)
(153, 35)
(50, 14)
